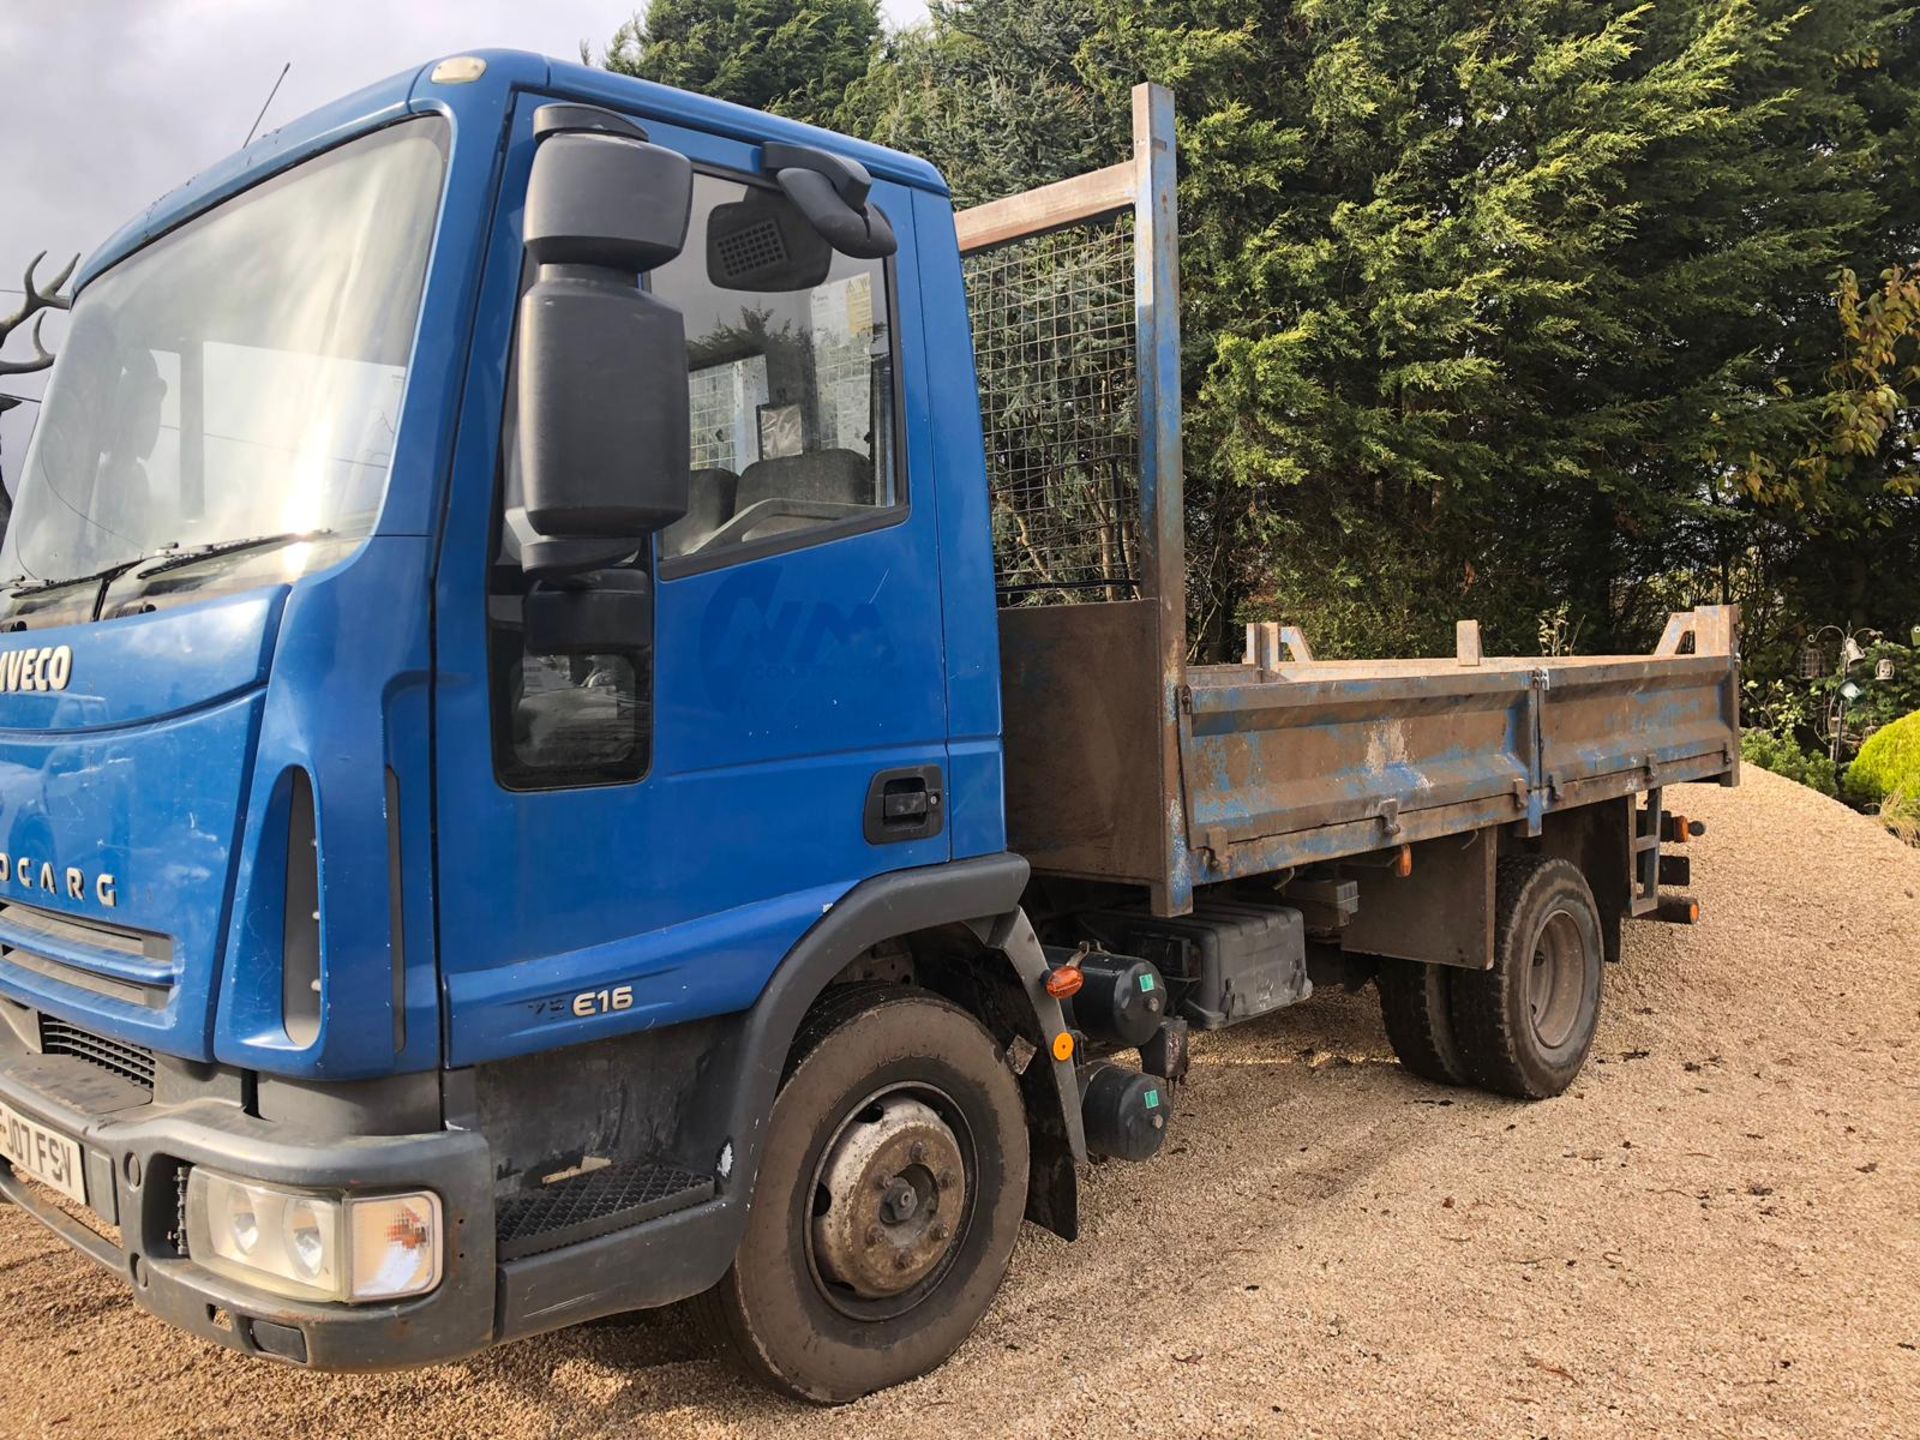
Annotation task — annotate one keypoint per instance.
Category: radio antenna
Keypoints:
(263, 109)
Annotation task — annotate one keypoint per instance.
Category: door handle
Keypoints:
(905, 804)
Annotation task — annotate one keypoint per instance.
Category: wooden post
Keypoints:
(1466, 641)
(1051, 207)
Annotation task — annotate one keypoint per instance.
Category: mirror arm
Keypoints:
(565, 559)
(832, 192)
(850, 180)
(863, 234)
(563, 119)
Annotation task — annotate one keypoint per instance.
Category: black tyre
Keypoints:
(1416, 1002)
(1524, 1027)
(887, 1202)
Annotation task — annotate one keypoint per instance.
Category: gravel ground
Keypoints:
(1716, 1232)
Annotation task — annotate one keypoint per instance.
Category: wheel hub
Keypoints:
(892, 1190)
(1554, 981)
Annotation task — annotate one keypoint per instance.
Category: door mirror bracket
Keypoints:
(833, 193)
(605, 613)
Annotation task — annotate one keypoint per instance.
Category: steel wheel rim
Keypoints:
(1556, 980)
(831, 1280)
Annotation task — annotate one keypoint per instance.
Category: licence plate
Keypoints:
(42, 1154)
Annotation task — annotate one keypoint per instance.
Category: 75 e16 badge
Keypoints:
(586, 1004)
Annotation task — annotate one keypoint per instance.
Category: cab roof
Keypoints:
(414, 91)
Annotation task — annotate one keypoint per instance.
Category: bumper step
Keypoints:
(597, 1203)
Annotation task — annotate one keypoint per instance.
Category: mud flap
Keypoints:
(1057, 1138)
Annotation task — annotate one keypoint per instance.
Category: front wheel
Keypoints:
(888, 1200)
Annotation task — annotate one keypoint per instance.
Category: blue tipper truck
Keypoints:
(552, 763)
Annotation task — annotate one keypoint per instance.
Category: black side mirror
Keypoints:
(831, 191)
(604, 439)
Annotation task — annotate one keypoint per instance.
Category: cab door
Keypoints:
(635, 839)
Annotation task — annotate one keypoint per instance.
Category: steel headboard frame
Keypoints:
(1088, 501)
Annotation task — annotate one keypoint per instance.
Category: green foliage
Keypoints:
(1865, 442)
(1900, 813)
(1542, 313)
(1783, 756)
(1881, 702)
(1888, 764)
(991, 92)
(1485, 294)
(792, 57)
(1786, 707)
(1490, 309)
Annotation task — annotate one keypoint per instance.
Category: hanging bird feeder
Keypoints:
(1813, 659)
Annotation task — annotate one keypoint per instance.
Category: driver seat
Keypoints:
(711, 494)
(842, 477)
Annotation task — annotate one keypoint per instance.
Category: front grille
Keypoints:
(129, 1062)
(134, 967)
(85, 930)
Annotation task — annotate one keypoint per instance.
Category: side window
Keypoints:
(791, 389)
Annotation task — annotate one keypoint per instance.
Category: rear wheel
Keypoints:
(887, 1202)
(1525, 1026)
(1416, 1003)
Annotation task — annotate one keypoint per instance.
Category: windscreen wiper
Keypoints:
(178, 559)
(98, 577)
(158, 562)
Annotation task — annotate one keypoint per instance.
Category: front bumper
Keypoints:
(136, 1152)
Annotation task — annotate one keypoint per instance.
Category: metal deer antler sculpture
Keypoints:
(36, 301)
(33, 306)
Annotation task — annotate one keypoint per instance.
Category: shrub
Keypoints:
(1900, 813)
(1783, 756)
(1888, 764)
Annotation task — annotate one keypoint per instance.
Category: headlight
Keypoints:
(314, 1247)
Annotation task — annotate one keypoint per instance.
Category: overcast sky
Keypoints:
(107, 105)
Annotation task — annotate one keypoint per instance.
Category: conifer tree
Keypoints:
(1491, 310)
(792, 57)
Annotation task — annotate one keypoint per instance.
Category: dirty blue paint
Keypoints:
(1477, 747)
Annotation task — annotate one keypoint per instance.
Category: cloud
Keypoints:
(111, 105)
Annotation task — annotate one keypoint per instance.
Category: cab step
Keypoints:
(598, 1202)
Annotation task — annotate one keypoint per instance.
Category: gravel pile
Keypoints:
(1716, 1232)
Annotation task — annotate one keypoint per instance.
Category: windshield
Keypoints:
(238, 380)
